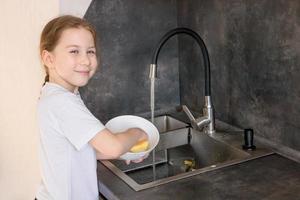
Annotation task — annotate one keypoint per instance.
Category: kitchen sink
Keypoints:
(183, 152)
(166, 123)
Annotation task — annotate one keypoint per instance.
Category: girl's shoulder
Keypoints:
(56, 97)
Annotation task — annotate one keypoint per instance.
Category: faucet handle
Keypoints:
(190, 116)
(196, 123)
(188, 113)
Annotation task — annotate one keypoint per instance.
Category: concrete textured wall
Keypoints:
(254, 49)
(128, 33)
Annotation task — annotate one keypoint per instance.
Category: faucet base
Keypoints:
(209, 112)
(210, 132)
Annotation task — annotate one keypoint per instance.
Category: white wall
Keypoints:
(21, 76)
(74, 7)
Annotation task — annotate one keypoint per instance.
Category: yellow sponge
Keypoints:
(140, 146)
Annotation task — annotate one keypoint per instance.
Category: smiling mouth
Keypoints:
(83, 72)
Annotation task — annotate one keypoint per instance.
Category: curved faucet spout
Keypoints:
(200, 42)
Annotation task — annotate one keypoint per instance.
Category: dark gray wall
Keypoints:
(128, 32)
(254, 49)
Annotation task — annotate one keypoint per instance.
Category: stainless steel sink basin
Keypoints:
(167, 123)
(182, 152)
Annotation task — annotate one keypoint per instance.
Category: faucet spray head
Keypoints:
(153, 71)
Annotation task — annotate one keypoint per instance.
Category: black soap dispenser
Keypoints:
(249, 139)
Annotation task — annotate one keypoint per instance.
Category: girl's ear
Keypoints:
(47, 58)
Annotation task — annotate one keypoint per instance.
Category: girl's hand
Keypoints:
(138, 160)
(143, 136)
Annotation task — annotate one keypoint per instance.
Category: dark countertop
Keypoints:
(271, 177)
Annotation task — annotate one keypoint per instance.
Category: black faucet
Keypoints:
(207, 121)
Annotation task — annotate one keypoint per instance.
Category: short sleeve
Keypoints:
(76, 122)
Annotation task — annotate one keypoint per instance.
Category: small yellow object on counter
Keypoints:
(140, 146)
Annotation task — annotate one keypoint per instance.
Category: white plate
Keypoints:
(124, 122)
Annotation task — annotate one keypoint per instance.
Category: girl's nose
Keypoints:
(85, 60)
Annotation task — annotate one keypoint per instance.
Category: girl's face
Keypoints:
(73, 61)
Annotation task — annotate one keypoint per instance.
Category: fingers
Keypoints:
(144, 135)
(134, 161)
(146, 156)
(138, 160)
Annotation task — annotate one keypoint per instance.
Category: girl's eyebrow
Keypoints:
(72, 45)
(77, 46)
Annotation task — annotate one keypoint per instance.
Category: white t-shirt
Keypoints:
(68, 162)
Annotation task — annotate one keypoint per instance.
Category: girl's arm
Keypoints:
(101, 156)
(112, 146)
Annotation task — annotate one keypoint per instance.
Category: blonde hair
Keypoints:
(54, 29)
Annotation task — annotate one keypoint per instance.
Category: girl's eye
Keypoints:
(74, 51)
(91, 52)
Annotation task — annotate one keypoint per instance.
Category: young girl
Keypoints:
(71, 138)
